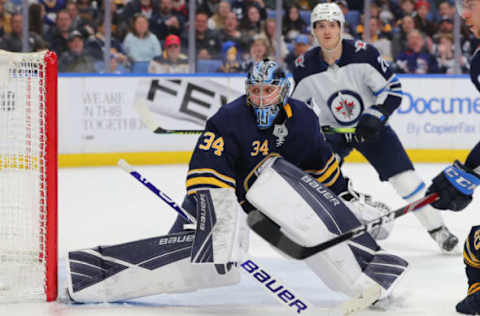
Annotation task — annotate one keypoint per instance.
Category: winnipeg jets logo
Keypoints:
(299, 61)
(359, 45)
(346, 106)
(281, 132)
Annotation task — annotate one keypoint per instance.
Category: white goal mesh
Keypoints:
(28, 169)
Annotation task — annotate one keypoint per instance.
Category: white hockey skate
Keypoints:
(445, 239)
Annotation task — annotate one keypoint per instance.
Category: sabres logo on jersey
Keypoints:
(299, 61)
(359, 45)
(346, 106)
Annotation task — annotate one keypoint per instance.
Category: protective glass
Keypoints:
(465, 5)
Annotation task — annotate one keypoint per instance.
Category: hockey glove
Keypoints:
(454, 185)
(470, 305)
(371, 123)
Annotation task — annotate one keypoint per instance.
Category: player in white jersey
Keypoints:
(350, 85)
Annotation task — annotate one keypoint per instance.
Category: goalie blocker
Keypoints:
(312, 214)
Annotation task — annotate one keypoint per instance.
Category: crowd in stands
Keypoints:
(415, 36)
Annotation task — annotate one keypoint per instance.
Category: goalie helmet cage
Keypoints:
(28, 176)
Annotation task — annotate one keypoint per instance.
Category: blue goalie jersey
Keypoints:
(232, 146)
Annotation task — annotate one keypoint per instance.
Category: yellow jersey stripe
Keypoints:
(470, 253)
(469, 261)
(474, 288)
(288, 110)
(331, 182)
(318, 172)
(332, 169)
(252, 172)
(208, 180)
(214, 172)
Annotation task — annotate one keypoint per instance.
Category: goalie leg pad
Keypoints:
(219, 237)
(146, 267)
(410, 187)
(309, 213)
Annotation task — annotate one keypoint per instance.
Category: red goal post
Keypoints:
(28, 176)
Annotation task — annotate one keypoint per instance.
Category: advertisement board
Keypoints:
(98, 124)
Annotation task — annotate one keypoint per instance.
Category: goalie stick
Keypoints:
(148, 119)
(271, 232)
(295, 304)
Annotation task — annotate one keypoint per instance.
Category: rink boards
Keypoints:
(437, 120)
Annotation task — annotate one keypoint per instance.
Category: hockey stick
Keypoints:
(148, 119)
(295, 304)
(271, 232)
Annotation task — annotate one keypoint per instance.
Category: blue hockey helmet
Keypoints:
(267, 88)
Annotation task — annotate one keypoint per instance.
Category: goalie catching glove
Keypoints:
(366, 210)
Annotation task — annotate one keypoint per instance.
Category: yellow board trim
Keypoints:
(422, 155)
(111, 159)
(183, 157)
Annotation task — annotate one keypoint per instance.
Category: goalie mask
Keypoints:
(267, 88)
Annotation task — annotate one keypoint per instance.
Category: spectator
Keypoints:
(231, 58)
(446, 56)
(400, 37)
(379, 40)
(52, 8)
(35, 19)
(269, 31)
(96, 47)
(4, 21)
(252, 22)
(240, 7)
(206, 41)
(171, 61)
(421, 22)
(76, 59)
(258, 52)
(86, 27)
(166, 21)
(86, 11)
(231, 32)
(293, 24)
(445, 26)
(133, 7)
(217, 21)
(180, 8)
(407, 7)
(13, 41)
(385, 29)
(140, 44)
(208, 6)
(119, 27)
(416, 60)
(446, 9)
(58, 36)
(302, 44)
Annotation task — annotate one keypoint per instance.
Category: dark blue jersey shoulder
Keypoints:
(471, 255)
(475, 69)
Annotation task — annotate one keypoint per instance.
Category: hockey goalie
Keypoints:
(262, 153)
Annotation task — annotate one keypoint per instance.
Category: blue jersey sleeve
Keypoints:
(212, 162)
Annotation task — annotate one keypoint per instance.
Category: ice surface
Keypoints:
(101, 206)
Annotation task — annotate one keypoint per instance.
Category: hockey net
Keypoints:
(28, 176)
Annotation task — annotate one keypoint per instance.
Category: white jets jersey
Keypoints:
(342, 91)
